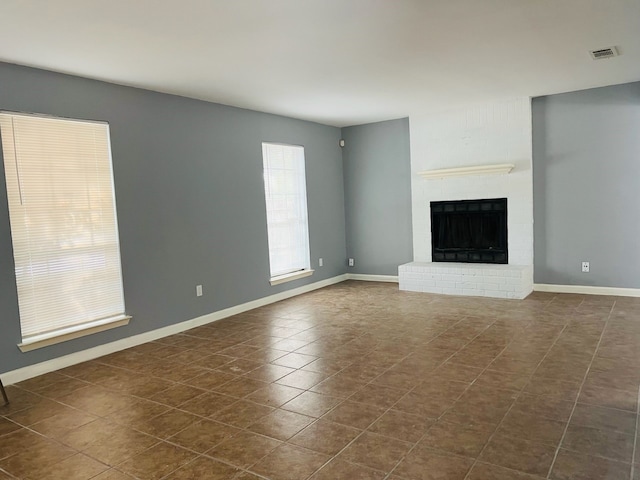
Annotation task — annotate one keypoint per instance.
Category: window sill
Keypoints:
(290, 277)
(77, 331)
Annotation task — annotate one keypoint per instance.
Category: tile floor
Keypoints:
(354, 381)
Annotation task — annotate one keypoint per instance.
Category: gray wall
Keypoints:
(190, 199)
(586, 165)
(377, 186)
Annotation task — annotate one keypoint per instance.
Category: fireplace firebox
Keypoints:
(469, 231)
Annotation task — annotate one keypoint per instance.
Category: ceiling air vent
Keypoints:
(604, 53)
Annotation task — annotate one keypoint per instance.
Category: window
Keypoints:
(287, 223)
(63, 226)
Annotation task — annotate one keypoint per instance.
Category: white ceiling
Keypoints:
(339, 62)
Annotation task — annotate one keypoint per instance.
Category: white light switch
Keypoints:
(198, 290)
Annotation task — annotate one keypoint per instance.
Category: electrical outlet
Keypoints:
(198, 290)
(351, 262)
(585, 267)
(320, 262)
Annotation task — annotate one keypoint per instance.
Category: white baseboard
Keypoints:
(47, 366)
(587, 290)
(372, 278)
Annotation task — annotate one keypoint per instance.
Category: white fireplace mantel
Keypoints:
(497, 169)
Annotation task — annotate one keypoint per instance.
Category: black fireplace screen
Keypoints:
(469, 231)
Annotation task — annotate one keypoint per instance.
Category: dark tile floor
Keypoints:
(354, 381)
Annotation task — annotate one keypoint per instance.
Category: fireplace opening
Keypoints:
(469, 231)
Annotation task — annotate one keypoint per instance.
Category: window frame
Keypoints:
(18, 213)
(304, 268)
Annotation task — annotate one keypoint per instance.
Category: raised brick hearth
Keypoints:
(480, 280)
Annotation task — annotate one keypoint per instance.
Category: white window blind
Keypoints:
(63, 222)
(286, 198)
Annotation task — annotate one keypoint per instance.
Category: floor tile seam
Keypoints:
(164, 477)
(211, 457)
(128, 427)
(109, 467)
(212, 416)
(244, 429)
(78, 451)
(77, 409)
(100, 361)
(415, 386)
(31, 392)
(562, 448)
(441, 363)
(120, 471)
(46, 438)
(286, 442)
(505, 468)
(370, 382)
(8, 474)
(152, 400)
(575, 403)
(111, 389)
(119, 465)
(367, 429)
(177, 407)
(334, 457)
(362, 432)
(607, 429)
(172, 386)
(518, 395)
(434, 449)
(635, 438)
(612, 408)
(253, 472)
(137, 398)
(158, 442)
(162, 439)
(288, 337)
(453, 403)
(68, 377)
(474, 464)
(168, 474)
(602, 457)
(485, 369)
(15, 423)
(183, 382)
(54, 439)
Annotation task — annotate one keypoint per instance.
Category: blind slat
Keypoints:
(286, 200)
(63, 221)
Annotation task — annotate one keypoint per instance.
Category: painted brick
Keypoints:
(498, 132)
(500, 281)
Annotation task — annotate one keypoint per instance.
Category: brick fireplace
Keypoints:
(479, 152)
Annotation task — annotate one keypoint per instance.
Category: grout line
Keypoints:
(356, 328)
(136, 398)
(4, 472)
(335, 373)
(169, 407)
(457, 398)
(518, 395)
(245, 429)
(584, 379)
(366, 430)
